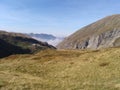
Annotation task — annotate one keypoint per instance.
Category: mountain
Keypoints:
(100, 34)
(17, 43)
(43, 36)
(50, 39)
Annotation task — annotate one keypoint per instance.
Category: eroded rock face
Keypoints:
(103, 40)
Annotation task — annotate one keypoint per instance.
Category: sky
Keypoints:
(57, 17)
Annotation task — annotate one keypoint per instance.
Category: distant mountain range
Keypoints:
(101, 34)
(17, 43)
(50, 39)
(43, 36)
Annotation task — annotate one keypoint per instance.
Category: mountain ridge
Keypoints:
(42, 36)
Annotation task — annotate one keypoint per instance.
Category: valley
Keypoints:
(59, 45)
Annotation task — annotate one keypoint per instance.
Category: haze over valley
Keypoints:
(50, 39)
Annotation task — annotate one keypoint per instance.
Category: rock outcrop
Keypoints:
(101, 34)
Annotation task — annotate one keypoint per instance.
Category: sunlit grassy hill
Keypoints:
(62, 70)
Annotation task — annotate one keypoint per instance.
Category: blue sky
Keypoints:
(57, 17)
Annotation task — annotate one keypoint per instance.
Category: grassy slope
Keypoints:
(62, 70)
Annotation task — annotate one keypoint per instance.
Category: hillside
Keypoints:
(17, 43)
(100, 34)
(62, 70)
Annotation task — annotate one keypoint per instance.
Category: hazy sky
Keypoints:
(57, 17)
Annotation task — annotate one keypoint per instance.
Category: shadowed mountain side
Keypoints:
(7, 49)
(17, 43)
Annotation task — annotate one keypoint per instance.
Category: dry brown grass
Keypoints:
(62, 70)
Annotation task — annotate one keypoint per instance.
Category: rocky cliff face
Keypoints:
(104, 40)
(101, 34)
